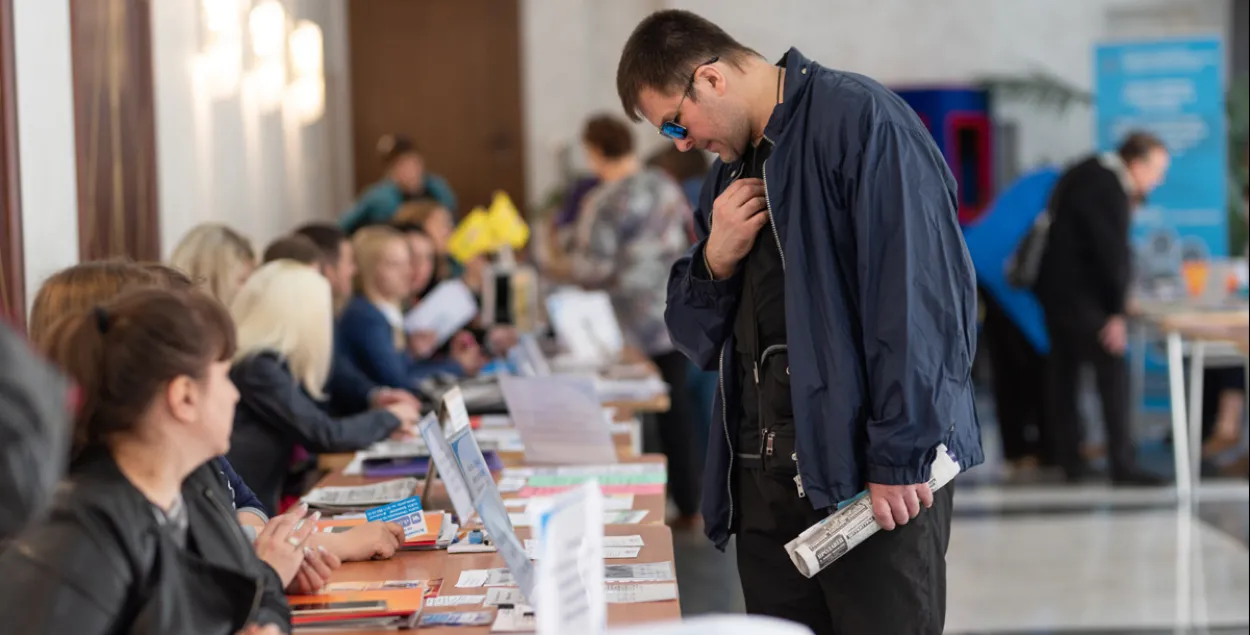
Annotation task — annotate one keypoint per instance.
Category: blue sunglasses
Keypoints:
(671, 128)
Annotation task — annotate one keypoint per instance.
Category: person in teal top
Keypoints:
(405, 180)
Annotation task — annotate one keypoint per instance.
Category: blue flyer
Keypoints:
(407, 513)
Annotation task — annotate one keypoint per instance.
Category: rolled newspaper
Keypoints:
(826, 541)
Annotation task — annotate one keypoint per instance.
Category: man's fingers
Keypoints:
(881, 511)
(742, 190)
(926, 495)
(912, 499)
(899, 509)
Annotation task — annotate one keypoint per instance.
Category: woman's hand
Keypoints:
(468, 353)
(408, 416)
(315, 572)
(422, 344)
(281, 543)
(256, 629)
(371, 541)
(501, 338)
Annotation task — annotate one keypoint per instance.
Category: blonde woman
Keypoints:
(284, 320)
(371, 328)
(216, 256)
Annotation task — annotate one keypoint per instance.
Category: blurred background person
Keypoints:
(406, 180)
(35, 424)
(371, 327)
(296, 248)
(631, 229)
(217, 257)
(1083, 286)
(285, 329)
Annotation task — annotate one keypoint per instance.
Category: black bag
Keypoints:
(1021, 268)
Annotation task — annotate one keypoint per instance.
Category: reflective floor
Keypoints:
(1048, 558)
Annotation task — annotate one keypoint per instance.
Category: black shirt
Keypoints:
(761, 313)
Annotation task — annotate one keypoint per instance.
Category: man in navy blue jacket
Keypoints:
(832, 290)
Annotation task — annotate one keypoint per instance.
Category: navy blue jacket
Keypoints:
(368, 342)
(880, 294)
(241, 495)
(347, 388)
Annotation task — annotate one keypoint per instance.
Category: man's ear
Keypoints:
(182, 398)
(714, 77)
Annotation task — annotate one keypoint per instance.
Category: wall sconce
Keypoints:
(307, 93)
(267, 30)
(221, 45)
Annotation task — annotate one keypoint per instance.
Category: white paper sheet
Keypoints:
(443, 311)
(457, 413)
(454, 600)
(609, 553)
(503, 595)
(569, 544)
(586, 324)
(640, 572)
(559, 418)
(608, 541)
(474, 578)
(519, 619)
(635, 593)
(520, 519)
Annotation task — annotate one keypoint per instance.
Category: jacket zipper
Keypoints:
(724, 417)
(766, 440)
(260, 582)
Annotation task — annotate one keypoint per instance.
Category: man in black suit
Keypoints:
(1083, 284)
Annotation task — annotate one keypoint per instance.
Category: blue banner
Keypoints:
(1174, 89)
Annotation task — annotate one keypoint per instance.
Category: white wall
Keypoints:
(223, 159)
(45, 131)
(570, 71)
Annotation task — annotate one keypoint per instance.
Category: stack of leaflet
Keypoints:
(439, 534)
(359, 605)
(350, 499)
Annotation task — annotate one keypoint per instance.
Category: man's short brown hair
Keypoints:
(297, 247)
(1137, 144)
(663, 52)
(610, 136)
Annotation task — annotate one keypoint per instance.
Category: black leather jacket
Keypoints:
(102, 564)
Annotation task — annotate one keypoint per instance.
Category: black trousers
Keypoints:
(677, 434)
(1070, 351)
(1019, 370)
(894, 582)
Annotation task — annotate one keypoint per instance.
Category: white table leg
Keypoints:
(1137, 370)
(1180, 432)
(1197, 373)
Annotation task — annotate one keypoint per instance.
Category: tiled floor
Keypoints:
(1055, 559)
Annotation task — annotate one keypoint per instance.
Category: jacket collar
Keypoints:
(798, 70)
(1113, 162)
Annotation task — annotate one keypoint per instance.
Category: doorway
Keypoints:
(448, 76)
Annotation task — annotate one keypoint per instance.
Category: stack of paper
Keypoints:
(641, 389)
(343, 499)
(346, 609)
(637, 479)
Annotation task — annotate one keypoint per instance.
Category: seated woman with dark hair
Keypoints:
(142, 539)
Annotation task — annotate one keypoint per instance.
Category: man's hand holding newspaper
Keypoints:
(894, 505)
(879, 507)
